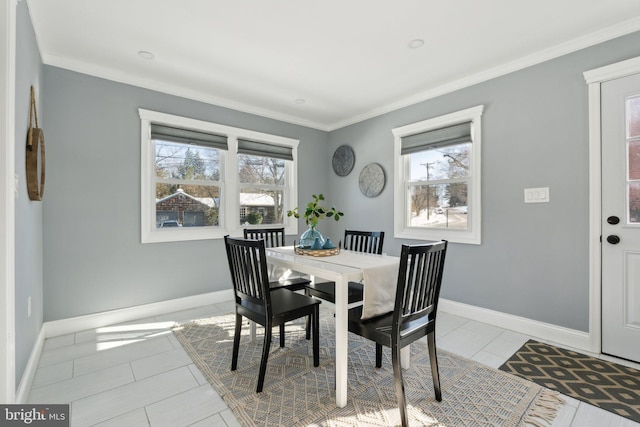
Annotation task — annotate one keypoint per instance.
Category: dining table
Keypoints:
(341, 268)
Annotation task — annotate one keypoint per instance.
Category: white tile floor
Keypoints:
(137, 374)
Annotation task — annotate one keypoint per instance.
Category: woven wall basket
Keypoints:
(35, 149)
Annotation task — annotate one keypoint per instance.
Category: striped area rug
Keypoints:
(610, 386)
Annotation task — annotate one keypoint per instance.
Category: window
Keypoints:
(632, 108)
(437, 187)
(261, 169)
(187, 178)
(202, 180)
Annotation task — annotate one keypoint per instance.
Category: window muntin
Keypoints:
(448, 162)
(191, 188)
(429, 207)
(187, 181)
(633, 158)
(437, 187)
(633, 116)
(186, 161)
(261, 170)
(262, 191)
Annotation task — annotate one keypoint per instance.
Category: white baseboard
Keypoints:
(22, 394)
(544, 331)
(96, 320)
(106, 318)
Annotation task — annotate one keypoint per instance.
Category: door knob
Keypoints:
(613, 239)
(613, 220)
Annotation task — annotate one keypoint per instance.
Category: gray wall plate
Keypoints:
(372, 180)
(343, 160)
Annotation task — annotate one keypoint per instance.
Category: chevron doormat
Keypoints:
(298, 394)
(612, 387)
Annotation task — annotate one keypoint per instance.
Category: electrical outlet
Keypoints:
(29, 306)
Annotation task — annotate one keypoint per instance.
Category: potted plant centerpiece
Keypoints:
(314, 212)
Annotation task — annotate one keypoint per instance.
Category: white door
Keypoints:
(621, 217)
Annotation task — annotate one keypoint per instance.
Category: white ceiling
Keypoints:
(347, 59)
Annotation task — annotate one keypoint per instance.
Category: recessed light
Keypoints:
(300, 101)
(146, 55)
(416, 43)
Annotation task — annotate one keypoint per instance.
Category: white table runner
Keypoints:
(380, 277)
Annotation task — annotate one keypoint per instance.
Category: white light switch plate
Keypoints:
(536, 195)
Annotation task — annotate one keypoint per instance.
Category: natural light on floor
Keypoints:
(116, 336)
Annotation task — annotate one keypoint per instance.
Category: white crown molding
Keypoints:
(173, 89)
(576, 44)
(571, 46)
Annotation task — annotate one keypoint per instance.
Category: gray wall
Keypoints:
(533, 261)
(28, 248)
(94, 259)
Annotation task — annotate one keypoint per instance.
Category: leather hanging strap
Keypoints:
(35, 147)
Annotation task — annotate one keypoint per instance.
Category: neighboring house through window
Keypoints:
(203, 180)
(262, 177)
(437, 186)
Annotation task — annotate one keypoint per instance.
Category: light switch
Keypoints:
(536, 195)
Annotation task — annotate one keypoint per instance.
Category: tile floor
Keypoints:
(137, 374)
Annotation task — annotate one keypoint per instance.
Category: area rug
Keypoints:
(298, 394)
(610, 386)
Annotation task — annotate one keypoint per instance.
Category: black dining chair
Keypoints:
(359, 241)
(275, 237)
(414, 314)
(258, 303)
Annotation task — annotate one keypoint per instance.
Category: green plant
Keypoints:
(315, 212)
(254, 218)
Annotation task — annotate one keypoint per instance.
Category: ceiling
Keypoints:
(323, 64)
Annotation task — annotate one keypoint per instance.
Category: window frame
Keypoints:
(229, 214)
(263, 187)
(473, 233)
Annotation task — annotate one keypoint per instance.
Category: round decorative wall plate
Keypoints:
(372, 180)
(343, 160)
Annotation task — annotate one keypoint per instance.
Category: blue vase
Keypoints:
(308, 238)
(316, 244)
(328, 244)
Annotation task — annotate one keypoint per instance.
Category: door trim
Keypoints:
(7, 201)
(594, 79)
